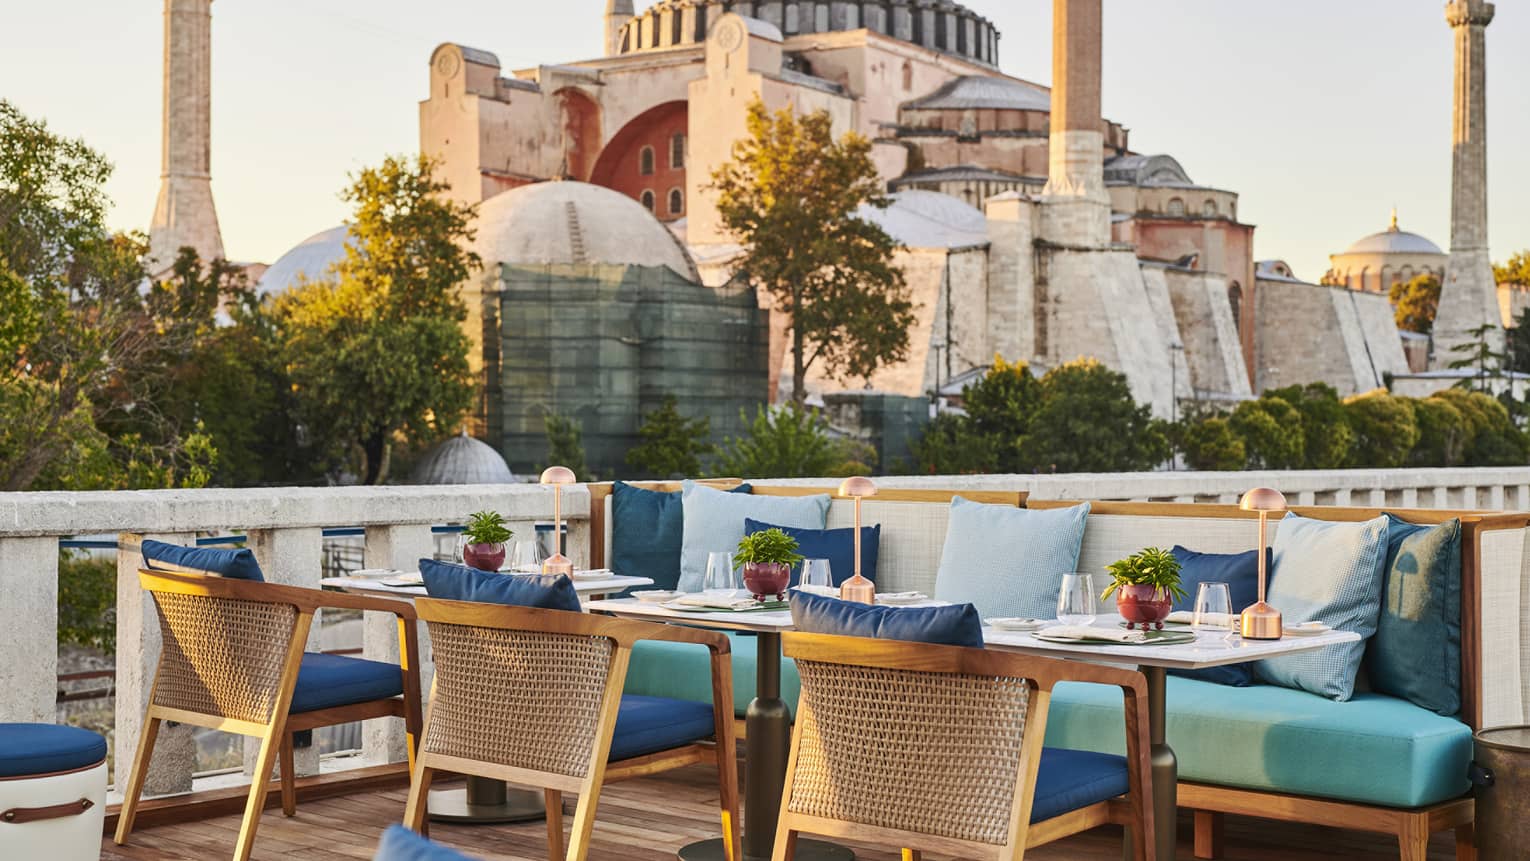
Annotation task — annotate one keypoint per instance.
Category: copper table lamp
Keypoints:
(858, 588)
(557, 476)
(1261, 621)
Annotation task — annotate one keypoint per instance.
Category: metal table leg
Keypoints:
(485, 801)
(769, 725)
(1165, 770)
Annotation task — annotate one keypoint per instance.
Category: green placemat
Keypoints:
(1154, 638)
(765, 607)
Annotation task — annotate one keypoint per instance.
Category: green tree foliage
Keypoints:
(1272, 433)
(1519, 343)
(1414, 303)
(1385, 429)
(1442, 433)
(1326, 435)
(785, 442)
(1087, 421)
(672, 445)
(789, 195)
(950, 446)
(375, 350)
(1210, 443)
(565, 445)
(87, 601)
(1490, 436)
(1515, 270)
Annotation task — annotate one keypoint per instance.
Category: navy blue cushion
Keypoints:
(835, 545)
(951, 625)
(45, 748)
(401, 844)
(461, 583)
(650, 724)
(326, 681)
(1240, 571)
(238, 564)
(647, 530)
(1416, 653)
(1073, 779)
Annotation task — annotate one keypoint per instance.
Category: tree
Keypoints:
(1490, 437)
(672, 444)
(375, 349)
(790, 195)
(1443, 433)
(1272, 433)
(1478, 355)
(565, 445)
(1515, 270)
(1414, 303)
(1087, 421)
(1385, 429)
(950, 446)
(1326, 434)
(785, 442)
(1518, 343)
(1210, 443)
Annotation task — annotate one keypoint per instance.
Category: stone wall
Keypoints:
(1309, 333)
(1213, 349)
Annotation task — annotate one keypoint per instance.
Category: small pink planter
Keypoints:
(484, 557)
(1143, 606)
(764, 579)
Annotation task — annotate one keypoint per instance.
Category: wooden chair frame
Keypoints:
(623, 634)
(275, 734)
(1041, 675)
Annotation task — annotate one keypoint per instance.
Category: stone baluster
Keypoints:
(294, 557)
(138, 643)
(400, 548)
(29, 606)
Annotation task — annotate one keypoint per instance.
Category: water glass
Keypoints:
(722, 577)
(815, 572)
(1213, 611)
(1076, 601)
(526, 556)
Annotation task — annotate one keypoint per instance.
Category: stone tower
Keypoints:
(1078, 207)
(1468, 298)
(184, 213)
(618, 12)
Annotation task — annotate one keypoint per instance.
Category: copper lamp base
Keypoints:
(1261, 622)
(558, 564)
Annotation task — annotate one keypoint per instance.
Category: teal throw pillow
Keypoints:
(1009, 561)
(1416, 653)
(714, 521)
(1327, 572)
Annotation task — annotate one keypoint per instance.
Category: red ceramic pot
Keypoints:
(1144, 606)
(764, 579)
(484, 557)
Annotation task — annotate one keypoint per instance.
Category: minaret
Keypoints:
(1468, 298)
(618, 12)
(1078, 207)
(184, 214)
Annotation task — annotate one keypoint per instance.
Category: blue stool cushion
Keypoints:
(646, 531)
(401, 844)
(237, 564)
(650, 724)
(461, 583)
(951, 625)
(44, 748)
(1240, 571)
(1068, 780)
(835, 545)
(326, 681)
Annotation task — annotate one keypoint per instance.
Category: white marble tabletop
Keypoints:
(1210, 649)
(583, 585)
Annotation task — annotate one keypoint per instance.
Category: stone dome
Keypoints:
(1393, 241)
(985, 92)
(1382, 259)
(462, 460)
(309, 259)
(575, 222)
(929, 219)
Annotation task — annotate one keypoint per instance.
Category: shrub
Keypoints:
(565, 445)
(1211, 444)
(1326, 434)
(87, 601)
(951, 446)
(1087, 421)
(787, 442)
(1385, 429)
(1272, 433)
(1491, 437)
(672, 444)
(1442, 433)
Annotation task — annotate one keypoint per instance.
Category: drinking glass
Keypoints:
(815, 572)
(1076, 601)
(722, 577)
(1213, 611)
(526, 557)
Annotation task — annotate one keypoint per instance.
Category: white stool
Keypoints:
(52, 792)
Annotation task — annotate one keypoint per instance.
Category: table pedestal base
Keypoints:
(485, 801)
(807, 850)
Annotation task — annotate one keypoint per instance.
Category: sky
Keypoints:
(1321, 114)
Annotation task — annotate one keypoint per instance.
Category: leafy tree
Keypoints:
(786, 442)
(1088, 422)
(1518, 343)
(1478, 355)
(87, 601)
(1415, 301)
(789, 195)
(565, 445)
(1326, 435)
(1272, 433)
(672, 444)
(950, 446)
(1515, 270)
(1385, 429)
(1210, 443)
(1490, 437)
(1443, 433)
(375, 350)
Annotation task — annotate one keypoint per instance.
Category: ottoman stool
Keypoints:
(52, 791)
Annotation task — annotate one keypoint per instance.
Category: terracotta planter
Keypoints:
(767, 579)
(484, 557)
(1144, 606)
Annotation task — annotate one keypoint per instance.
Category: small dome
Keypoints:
(309, 259)
(984, 92)
(462, 460)
(919, 218)
(575, 222)
(1393, 241)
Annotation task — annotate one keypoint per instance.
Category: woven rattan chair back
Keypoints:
(222, 657)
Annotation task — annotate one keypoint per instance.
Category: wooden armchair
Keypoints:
(233, 660)
(939, 748)
(534, 697)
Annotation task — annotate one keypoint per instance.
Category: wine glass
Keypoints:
(815, 572)
(722, 577)
(526, 556)
(1076, 601)
(1212, 617)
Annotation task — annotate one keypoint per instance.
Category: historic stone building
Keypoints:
(183, 214)
(1374, 263)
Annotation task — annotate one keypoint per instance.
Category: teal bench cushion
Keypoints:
(683, 671)
(1373, 749)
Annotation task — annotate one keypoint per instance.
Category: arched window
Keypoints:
(647, 200)
(908, 75)
(677, 151)
(1232, 210)
(676, 201)
(645, 161)
(1209, 209)
(1235, 301)
(1176, 206)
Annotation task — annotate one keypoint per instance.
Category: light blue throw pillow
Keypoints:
(714, 520)
(1326, 572)
(1008, 561)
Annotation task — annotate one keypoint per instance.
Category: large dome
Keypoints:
(462, 460)
(929, 219)
(309, 259)
(575, 222)
(1393, 241)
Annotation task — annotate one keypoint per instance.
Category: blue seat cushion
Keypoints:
(1240, 571)
(1372, 749)
(326, 681)
(835, 545)
(647, 725)
(682, 671)
(238, 564)
(1069, 780)
(951, 625)
(461, 583)
(45, 748)
(401, 844)
(646, 531)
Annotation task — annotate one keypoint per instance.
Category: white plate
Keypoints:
(657, 596)
(601, 574)
(1307, 629)
(1016, 623)
(893, 599)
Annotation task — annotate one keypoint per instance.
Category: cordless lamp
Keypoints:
(557, 476)
(1261, 621)
(858, 588)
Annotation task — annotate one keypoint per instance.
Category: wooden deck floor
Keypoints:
(648, 819)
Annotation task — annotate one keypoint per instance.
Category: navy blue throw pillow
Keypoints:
(1240, 571)
(461, 583)
(835, 545)
(401, 844)
(235, 564)
(951, 625)
(647, 528)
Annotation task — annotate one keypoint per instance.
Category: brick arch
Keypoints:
(579, 116)
(618, 167)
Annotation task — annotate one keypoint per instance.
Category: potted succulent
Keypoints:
(1146, 584)
(483, 540)
(767, 557)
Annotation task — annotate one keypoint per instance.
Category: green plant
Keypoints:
(87, 601)
(486, 527)
(565, 445)
(1385, 429)
(767, 547)
(1151, 566)
(673, 445)
(786, 442)
(1210, 443)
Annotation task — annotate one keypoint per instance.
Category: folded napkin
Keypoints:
(820, 591)
(901, 597)
(1090, 632)
(1216, 620)
(719, 602)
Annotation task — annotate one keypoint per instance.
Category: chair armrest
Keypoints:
(715, 641)
(350, 601)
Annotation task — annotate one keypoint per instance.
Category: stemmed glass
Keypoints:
(1212, 618)
(722, 577)
(1076, 601)
(526, 557)
(815, 572)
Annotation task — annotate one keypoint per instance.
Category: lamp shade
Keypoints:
(1263, 499)
(857, 485)
(558, 475)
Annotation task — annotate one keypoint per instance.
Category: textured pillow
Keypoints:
(1240, 571)
(1330, 573)
(1008, 561)
(951, 625)
(235, 564)
(646, 531)
(401, 844)
(1416, 653)
(835, 545)
(714, 521)
(461, 583)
